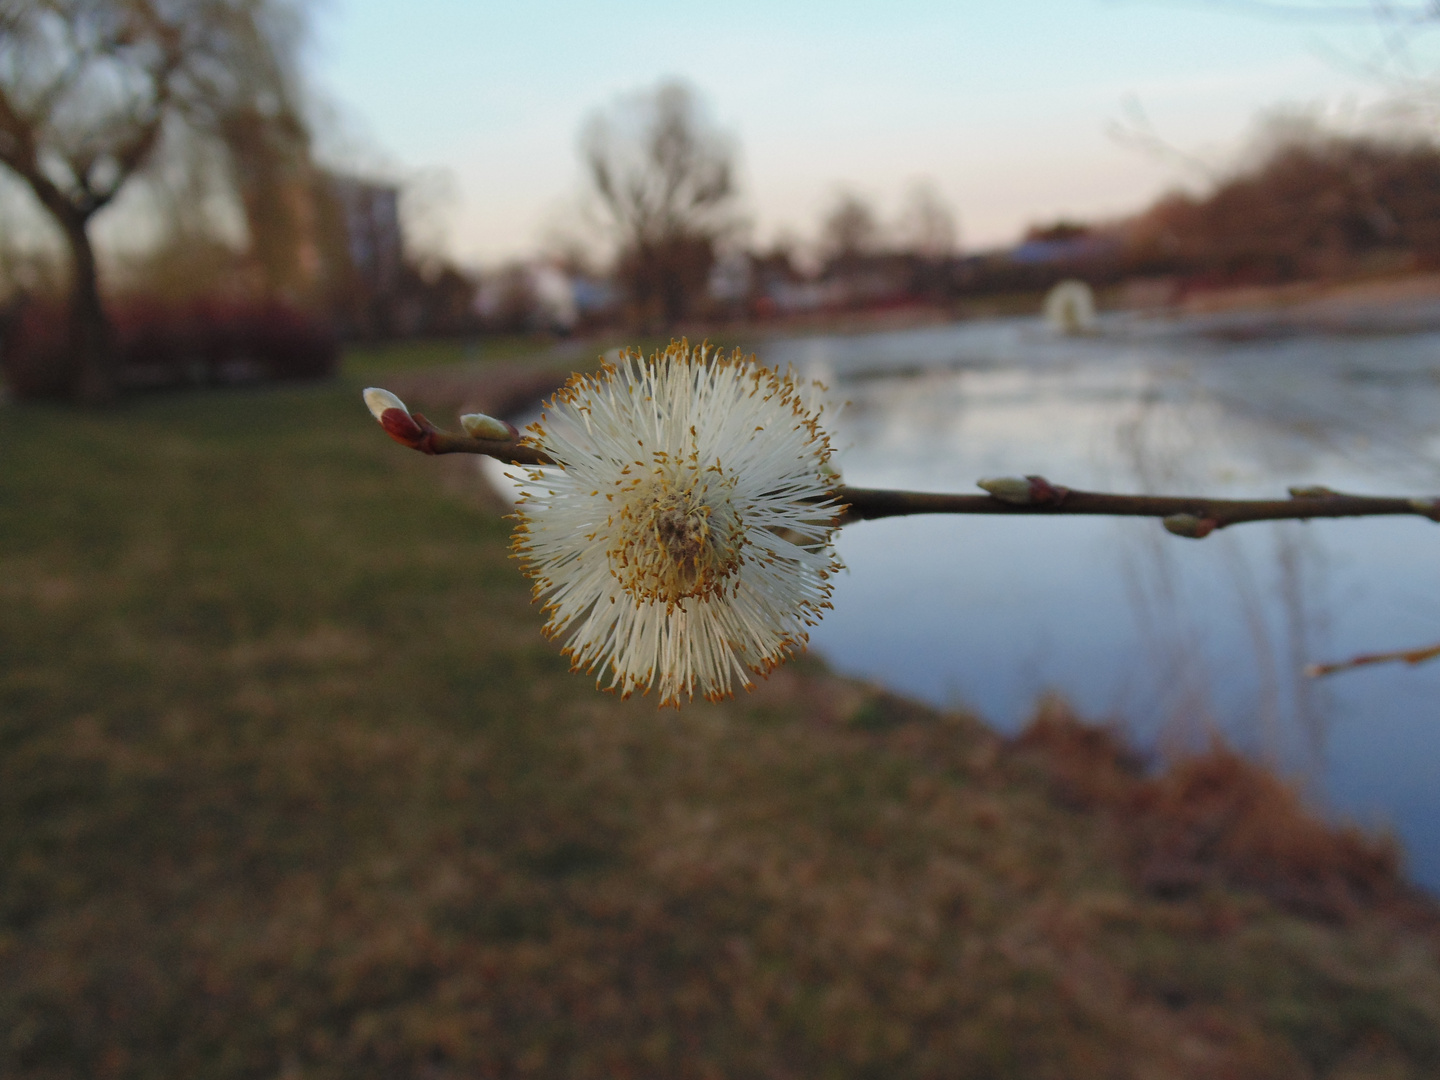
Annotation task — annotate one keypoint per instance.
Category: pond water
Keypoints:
(1174, 639)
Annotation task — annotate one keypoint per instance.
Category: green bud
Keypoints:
(1189, 526)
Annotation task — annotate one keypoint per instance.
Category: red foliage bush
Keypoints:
(32, 350)
(209, 342)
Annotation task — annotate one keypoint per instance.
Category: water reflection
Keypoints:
(1178, 639)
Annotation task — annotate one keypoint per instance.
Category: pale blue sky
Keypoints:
(1003, 105)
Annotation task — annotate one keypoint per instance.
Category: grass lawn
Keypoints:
(291, 786)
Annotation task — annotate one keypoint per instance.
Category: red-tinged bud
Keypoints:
(1430, 507)
(1190, 526)
(1316, 491)
(401, 427)
(394, 417)
(1042, 491)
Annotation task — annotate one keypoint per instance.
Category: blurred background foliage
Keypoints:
(165, 203)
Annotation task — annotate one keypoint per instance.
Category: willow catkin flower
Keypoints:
(683, 538)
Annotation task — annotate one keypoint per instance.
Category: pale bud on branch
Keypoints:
(1024, 491)
(1010, 489)
(1428, 507)
(1189, 526)
(479, 426)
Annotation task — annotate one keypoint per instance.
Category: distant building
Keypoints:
(1066, 251)
(541, 296)
(594, 298)
(370, 286)
(555, 305)
(732, 279)
(370, 215)
(792, 297)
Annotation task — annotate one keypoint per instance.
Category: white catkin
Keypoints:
(682, 540)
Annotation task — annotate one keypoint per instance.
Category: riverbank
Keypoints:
(1372, 304)
(1387, 305)
(290, 784)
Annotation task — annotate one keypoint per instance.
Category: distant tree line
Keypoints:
(1317, 206)
(1313, 205)
(200, 100)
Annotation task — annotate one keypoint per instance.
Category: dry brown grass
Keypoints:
(1221, 819)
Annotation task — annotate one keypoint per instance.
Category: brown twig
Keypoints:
(418, 433)
(516, 451)
(1409, 656)
(1192, 517)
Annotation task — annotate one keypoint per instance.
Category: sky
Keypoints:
(1007, 107)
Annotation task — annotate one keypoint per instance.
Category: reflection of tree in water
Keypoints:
(1167, 442)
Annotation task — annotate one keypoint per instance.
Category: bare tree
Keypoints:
(88, 88)
(665, 176)
(1388, 42)
(849, 232)
(927, 224)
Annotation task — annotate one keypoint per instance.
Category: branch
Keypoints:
(1191, 517)
(483, 434)
(133, 136)
(1408, 14)
(127, 158)
(18, 152)
(1409, 656)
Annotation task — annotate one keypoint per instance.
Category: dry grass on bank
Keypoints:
(291, 786)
